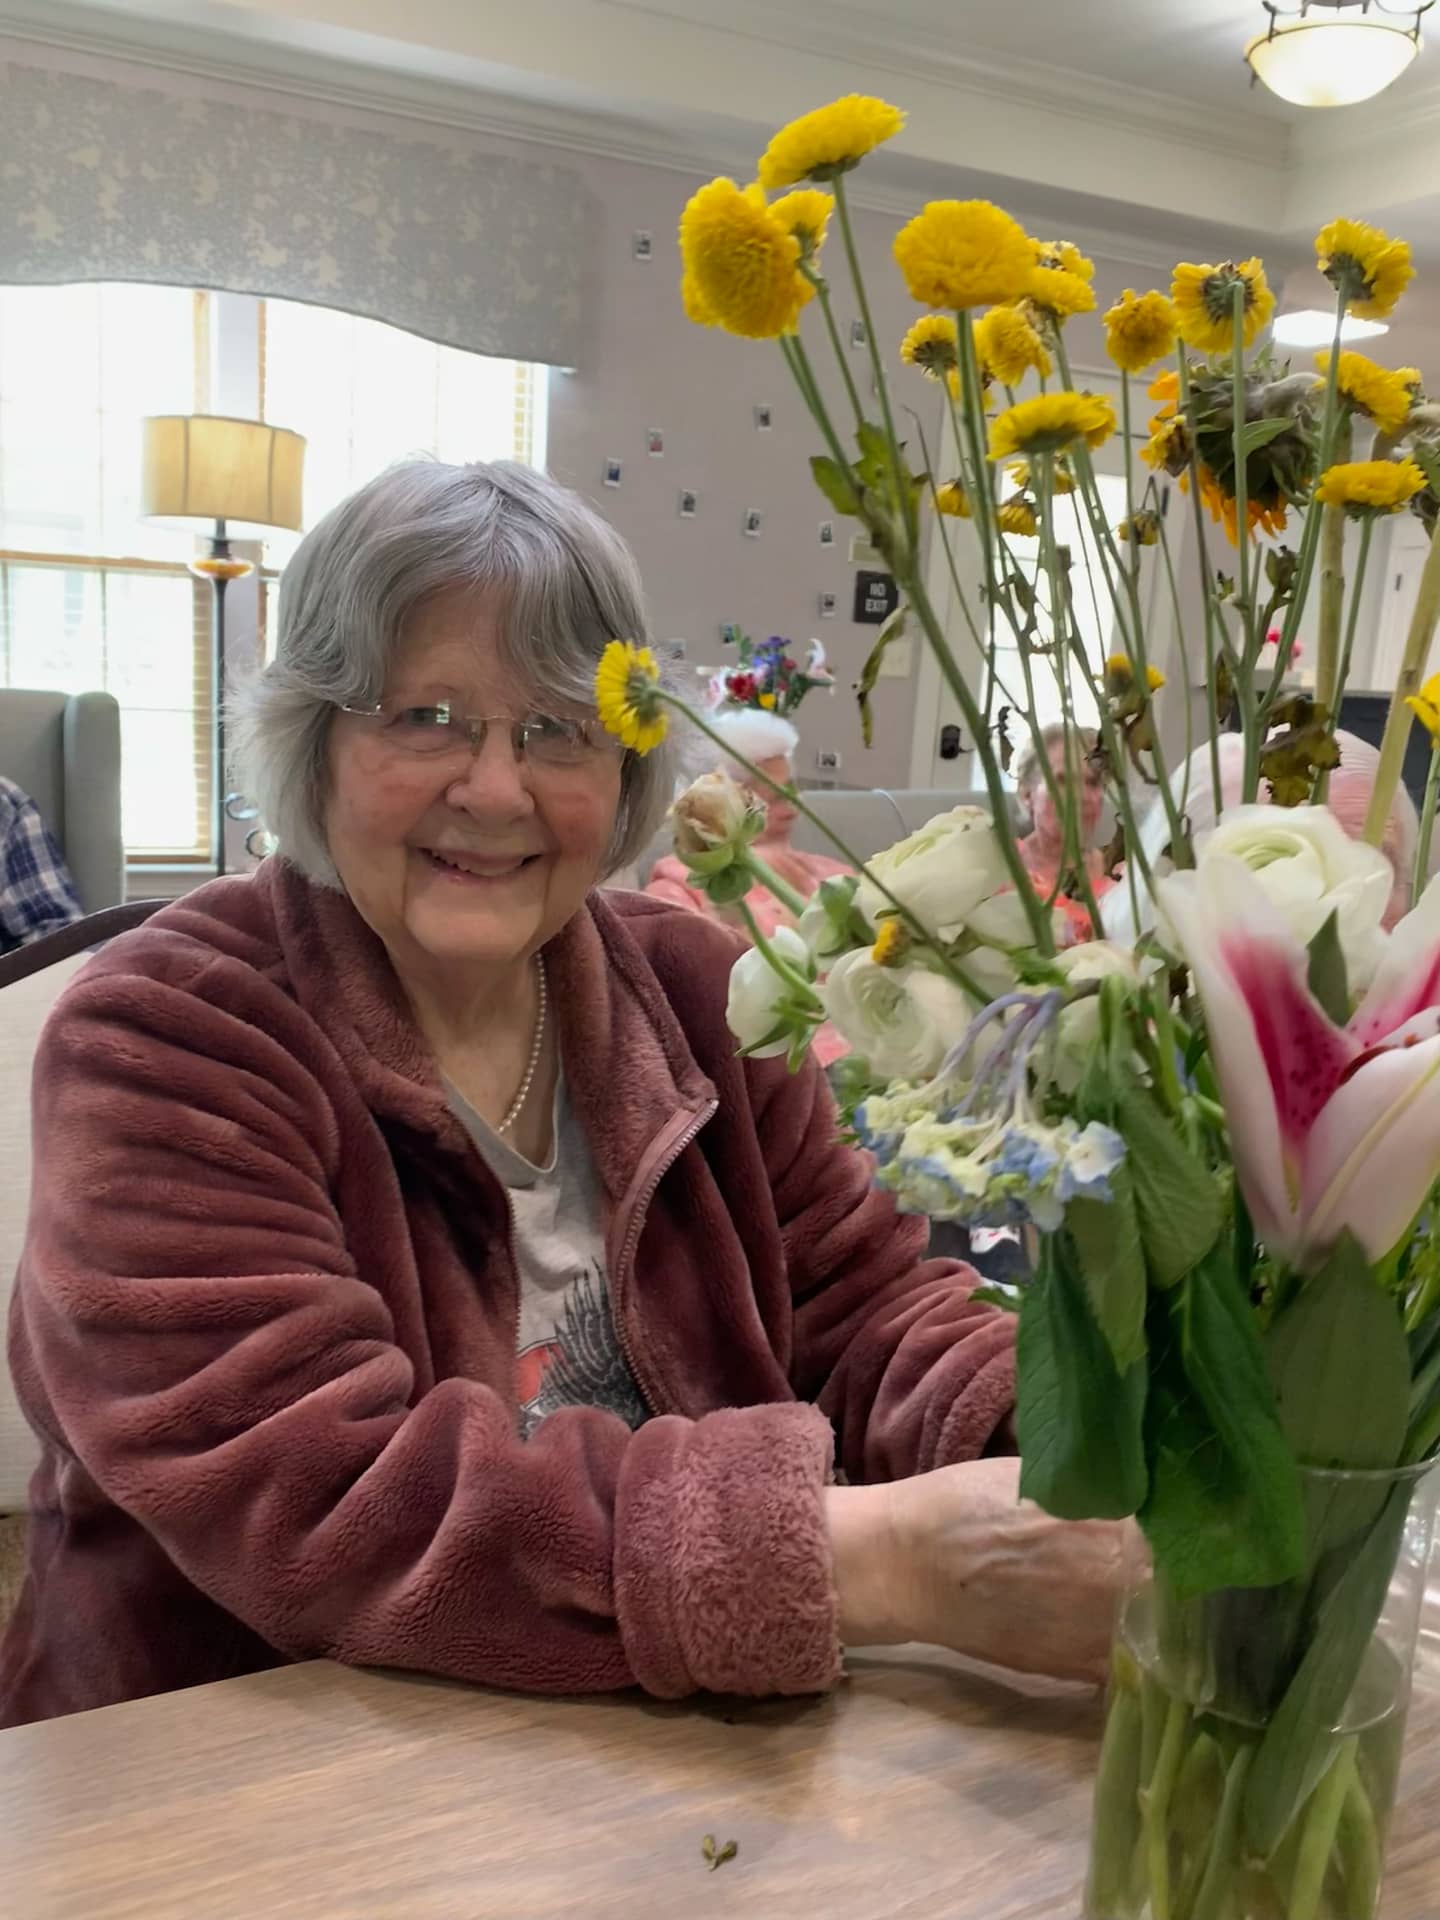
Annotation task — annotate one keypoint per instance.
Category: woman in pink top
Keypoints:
(769, 742)
(1043, 849)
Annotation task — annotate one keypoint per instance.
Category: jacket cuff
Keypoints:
(723, 1572)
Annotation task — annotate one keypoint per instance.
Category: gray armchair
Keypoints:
(64, 750)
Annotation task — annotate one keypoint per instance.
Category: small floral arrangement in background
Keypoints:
(1227, 1134)
(767, 675)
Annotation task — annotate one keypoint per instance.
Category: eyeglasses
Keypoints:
(539, 739)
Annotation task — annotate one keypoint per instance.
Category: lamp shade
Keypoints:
(1333, 60)
(207, 466)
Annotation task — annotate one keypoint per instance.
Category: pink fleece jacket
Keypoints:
(265, 1329)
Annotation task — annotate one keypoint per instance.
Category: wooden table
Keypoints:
(920, 1791)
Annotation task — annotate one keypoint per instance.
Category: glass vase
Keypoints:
(1253, 1735)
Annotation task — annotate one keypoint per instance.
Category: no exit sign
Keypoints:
(876, 598)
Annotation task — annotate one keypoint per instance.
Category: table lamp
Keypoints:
(241, 477)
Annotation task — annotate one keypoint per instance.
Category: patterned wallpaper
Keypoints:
(101, 180)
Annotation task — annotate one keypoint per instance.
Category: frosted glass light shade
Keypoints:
(1331, 60)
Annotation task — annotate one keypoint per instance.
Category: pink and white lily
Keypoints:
(1331, 1127)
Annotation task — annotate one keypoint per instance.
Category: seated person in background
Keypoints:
(414, 1275)
(37, 895)
(1043, 849)
(750, 707)
(769, 741)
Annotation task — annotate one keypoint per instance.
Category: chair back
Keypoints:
(64, 750)
(32, 979)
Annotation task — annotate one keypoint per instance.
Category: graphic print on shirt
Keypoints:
(582, 1366)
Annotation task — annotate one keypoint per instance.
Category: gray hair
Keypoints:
(569, 585)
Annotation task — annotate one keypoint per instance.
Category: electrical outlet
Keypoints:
(827, 760)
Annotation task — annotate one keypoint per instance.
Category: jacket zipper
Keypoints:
(665, 1158)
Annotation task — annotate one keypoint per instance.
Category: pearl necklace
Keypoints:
(517, 1105)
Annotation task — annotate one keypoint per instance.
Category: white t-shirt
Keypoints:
(569, 1354)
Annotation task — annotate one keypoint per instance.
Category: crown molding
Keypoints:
(848, 33)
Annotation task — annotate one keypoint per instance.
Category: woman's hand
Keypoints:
(957, 1559)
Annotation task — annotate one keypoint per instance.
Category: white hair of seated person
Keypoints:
(753, 732)
(1193, 785)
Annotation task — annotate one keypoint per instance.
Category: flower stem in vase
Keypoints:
(1412, 673)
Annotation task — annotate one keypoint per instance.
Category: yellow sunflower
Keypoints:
(1059, 294)
(829, 141)
(627, 696)
(1380, 393)
(892, 942)
(1143, 527)
(932, 344)
(1168, 448)
(1425, 705)
(1024, 476)
(695, 307)
(1050, 422)
(1017, 518)
(1062, 256)
(964, 253)
(1260, 516)
(951, 498)
(1370, 486)
(740, 263)
(1009, 346)
(1140, 329)
(805, 214)
(1204, 310)
(1366, 265)
(1120, 675)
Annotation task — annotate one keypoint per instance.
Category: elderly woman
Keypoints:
(1043, 850)
(416, 1277)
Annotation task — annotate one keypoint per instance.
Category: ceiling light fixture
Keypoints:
(1313, 327)
(1333, 53)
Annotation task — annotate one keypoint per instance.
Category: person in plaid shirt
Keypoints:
(37, 894)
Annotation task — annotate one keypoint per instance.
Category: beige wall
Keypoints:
(647, 366)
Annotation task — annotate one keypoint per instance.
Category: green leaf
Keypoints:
(1340, 1366)
(1176, 1198)
(1299, 1742)
(870, 672)
(835, 483)
(1425, 458)
(872, 469)
(994, 1294)
(1079, 1421)
(1112, 1263)
(1259, 433)
(1224, 1508)
(1328, 979)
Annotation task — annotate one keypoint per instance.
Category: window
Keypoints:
(90, 596)
(93, 597)
(1094, 613)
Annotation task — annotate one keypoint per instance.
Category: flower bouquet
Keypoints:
(1224, 1133)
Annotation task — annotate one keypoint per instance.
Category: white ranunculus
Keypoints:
(1310, 868)
(1078, 1028)
(903, 1020)
(757, 993)
(942, 873)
